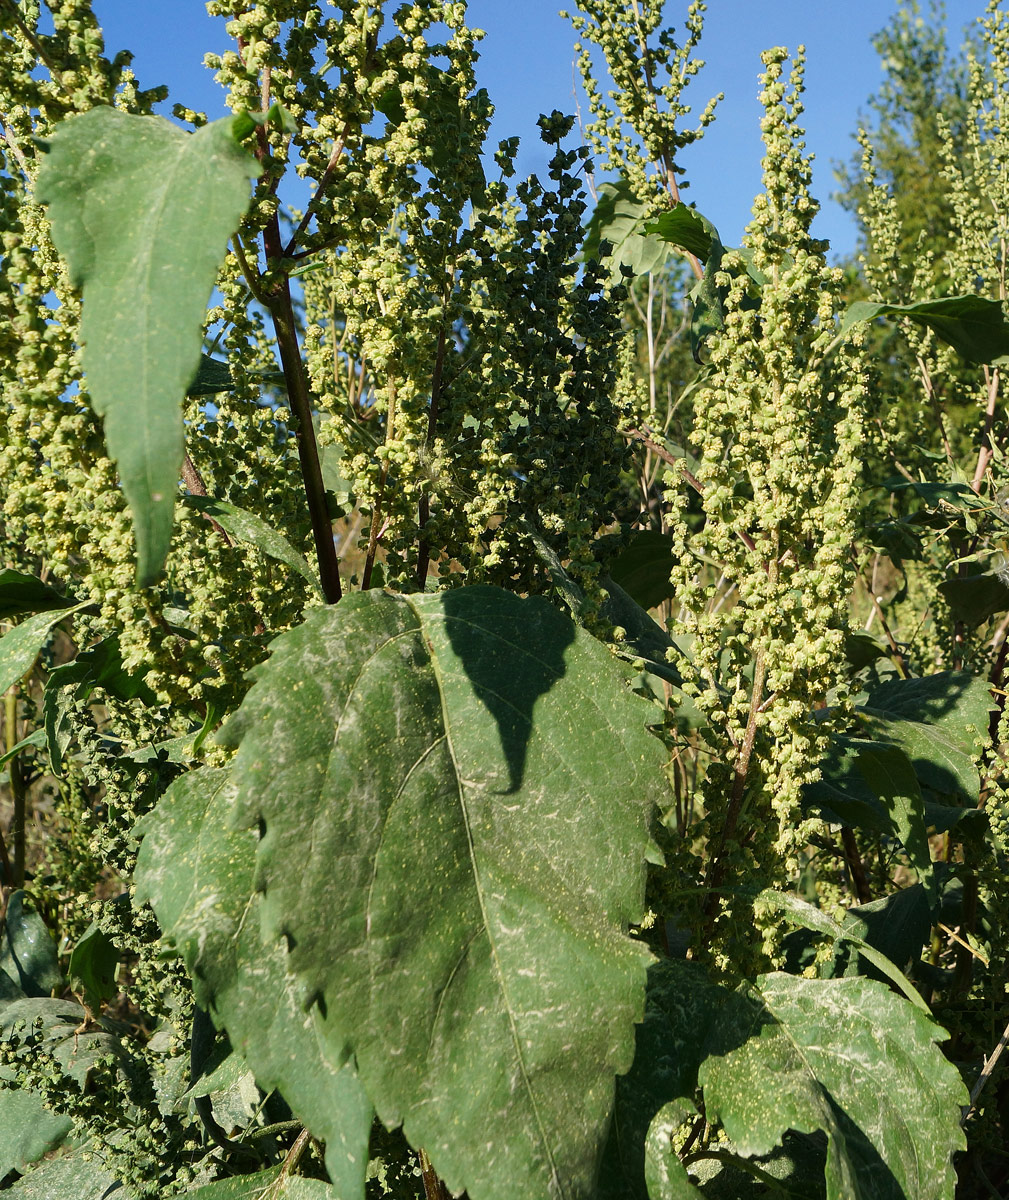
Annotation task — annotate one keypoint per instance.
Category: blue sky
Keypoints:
(527, 66)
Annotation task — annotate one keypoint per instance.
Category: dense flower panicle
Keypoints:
(777, 430)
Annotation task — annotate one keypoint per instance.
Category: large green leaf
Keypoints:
(455, 793)
(197, 875)
(28, 1130)
(933, 720)
(669, 1048)
(142, 211)
(643, 570)
(684, 227)
(976, 328)
(80, 1175)
(848, 1057)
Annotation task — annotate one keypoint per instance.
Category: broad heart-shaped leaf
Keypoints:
(849, 1057)
(197, 875)
(976, 328)
(455, 793)
(141, 211)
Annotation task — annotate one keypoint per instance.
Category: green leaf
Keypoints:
(92, 969)
(247, 527)
(28, 1131)
(71, 1175)
(684, 227)
(28, 955)
(646, 638)
(197, 874)
(669, 1047)
(266, 1185)
(476, 767)
(931, 719)
(851, 1058)
(34, 741)
(141, 211)
(643, 570)
(974, 598)
(21, 594)
(20, 646)
(973, 326)
(708, 316)
(810, 917)
(888, 771)
(100, 666)
(666, 1177)
(897, 926)
(614, 234)
(212, 376)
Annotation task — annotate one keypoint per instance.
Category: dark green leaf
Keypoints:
(669, 1047)
(34, 741)
(21, 594)
(973, 326)
(92, 969)
(198, 876)
(212, 376)
(28, 955)
(897, 926)
(645, 636)
(666, 1177)
(851, 1058)
(614, 234)
(708, 318)
(974, 598)
(643, 570)
(958, 495)
(475, 765)
(142, 211)
(247, 527)
(71, 1176)
(684, 227)
(28, 1130)
(810, 917)
(271, 1185)
(889, 773)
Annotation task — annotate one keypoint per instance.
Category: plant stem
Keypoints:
(434, 1189)
(17, 790)
(856, 868)
(282, 311)
(716, 870)
(424, 551)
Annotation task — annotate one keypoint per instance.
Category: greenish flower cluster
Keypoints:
(763, 588)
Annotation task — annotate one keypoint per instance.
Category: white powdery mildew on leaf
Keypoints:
(455, 792)
(850, 1057)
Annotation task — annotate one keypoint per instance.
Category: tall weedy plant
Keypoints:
(395, 803)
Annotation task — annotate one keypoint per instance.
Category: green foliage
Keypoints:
(140, 211)
(520, 762)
